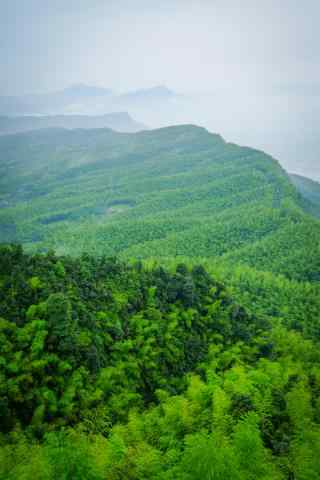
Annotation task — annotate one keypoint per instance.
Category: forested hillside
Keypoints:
(176, 191)
(117, 371)
(161, 318)
(118, 121)
(159, 282)
(310, 191)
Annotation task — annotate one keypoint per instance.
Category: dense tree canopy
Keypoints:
(114, 371)
(168, 192)
(185, 344)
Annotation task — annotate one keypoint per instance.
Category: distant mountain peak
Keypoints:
(161, 89)
(158, 92)
(81, 98)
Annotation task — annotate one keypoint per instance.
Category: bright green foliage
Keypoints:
(177, 191)
(294, 303)
(103, 333)
(116, 371)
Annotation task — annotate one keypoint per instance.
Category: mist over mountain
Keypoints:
(284, 124)
(310, 191)
(53, 102)
(281, 121)
(248, 71)
(119, 121)
(147, 96)
(159, 282)
(83, 99)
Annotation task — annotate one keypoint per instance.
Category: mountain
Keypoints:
(119, 121)
(52, 102)
(175, 334)
(147, 96)
(173, 192)
(83, 99)
(310, 191)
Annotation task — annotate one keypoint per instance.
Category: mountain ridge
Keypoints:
(118, 121)
(81, 98)
(177, 190)
(161, 319)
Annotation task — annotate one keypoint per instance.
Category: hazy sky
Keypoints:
(254, 64)
(188, 45)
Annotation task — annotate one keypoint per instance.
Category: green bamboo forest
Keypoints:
(159, 309)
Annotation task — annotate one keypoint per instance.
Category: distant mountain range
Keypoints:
(119, 121)
(82, 99)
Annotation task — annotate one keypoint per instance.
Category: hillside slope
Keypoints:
(116, 371)
(162, 193)
(119, 121)
(310, 191)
